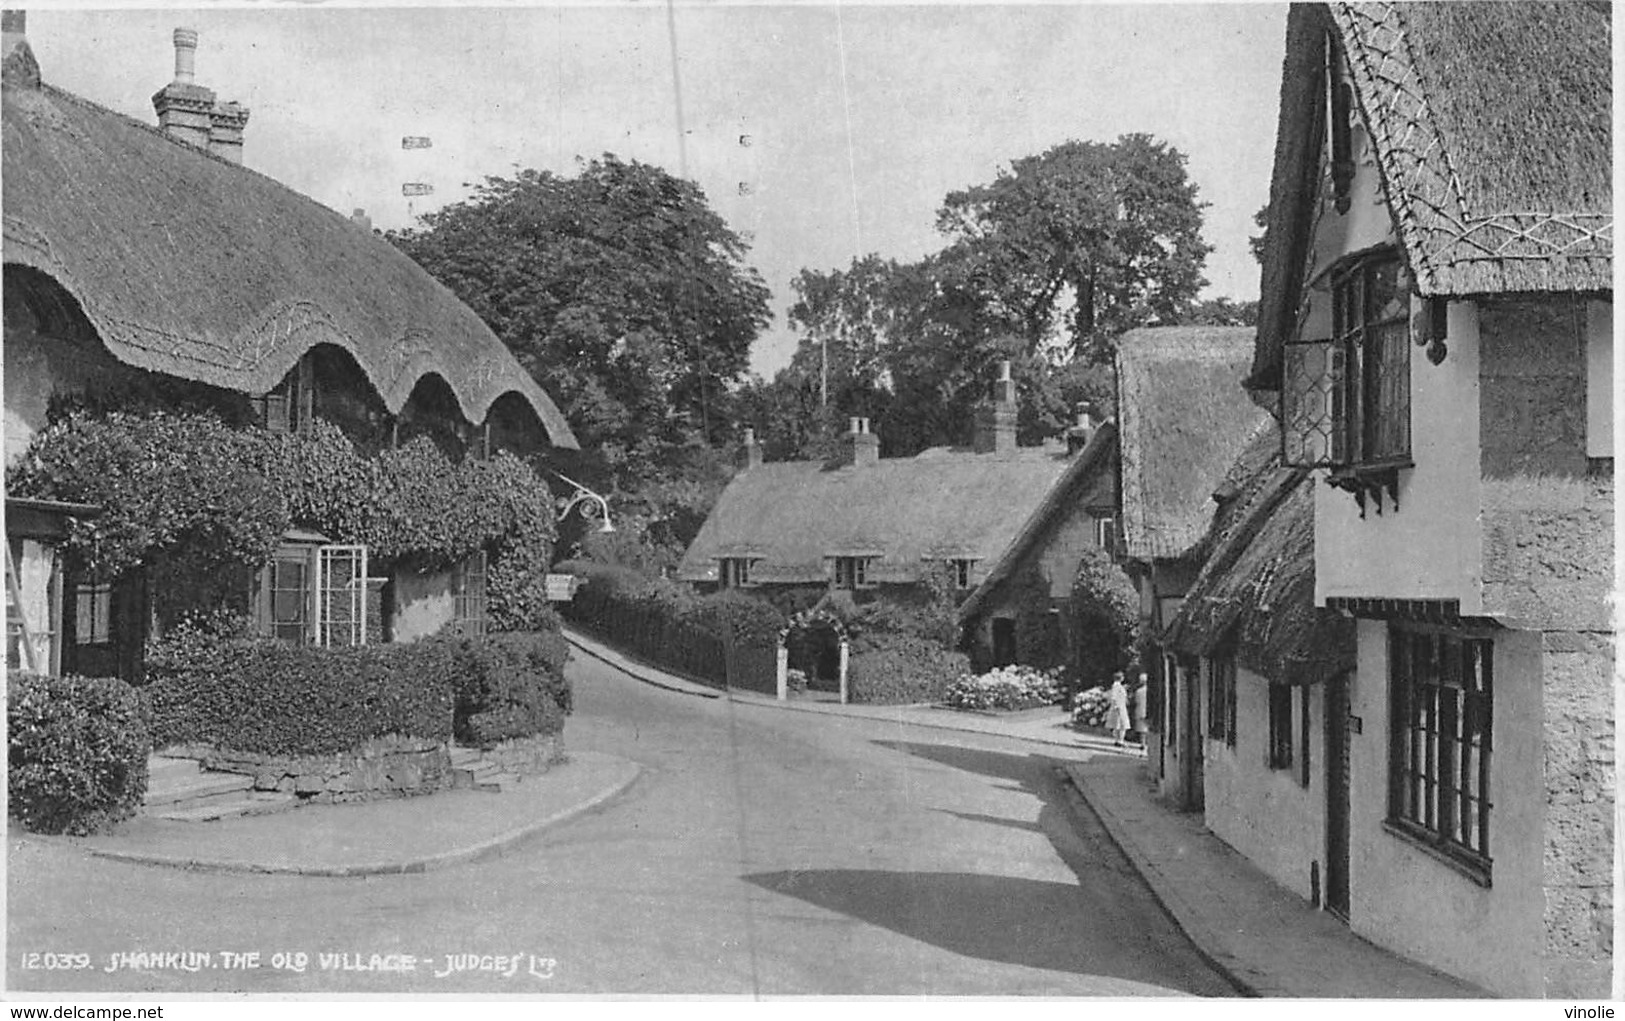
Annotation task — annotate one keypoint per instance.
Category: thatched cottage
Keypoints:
(1183, 419)
(135, 252)
(864, 527)
(1436, 334)
(1021, 610)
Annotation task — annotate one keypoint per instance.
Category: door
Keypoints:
(1337, 797)
(1194, 740)
(1004, 641)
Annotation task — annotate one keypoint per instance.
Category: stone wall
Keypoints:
(1579, 831)
(527, 756)
(1532, 377)
(382, 768)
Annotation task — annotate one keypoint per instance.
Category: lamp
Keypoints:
(592, 504)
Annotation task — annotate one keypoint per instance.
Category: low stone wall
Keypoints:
(382, 768)
(526, 756)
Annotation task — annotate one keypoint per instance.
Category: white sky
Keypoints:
(861, 117)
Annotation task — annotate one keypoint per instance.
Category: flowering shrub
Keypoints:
(796, 681)
(1009, 687)
(1089, 707)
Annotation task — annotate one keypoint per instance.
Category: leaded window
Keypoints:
(1345, 400)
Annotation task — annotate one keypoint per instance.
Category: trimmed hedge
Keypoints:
(724, 638)
(273, 698)
(891, 668)
(213, 684)
(78, 751)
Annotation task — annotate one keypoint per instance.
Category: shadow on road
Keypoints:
(1107, 923)
(996, 918)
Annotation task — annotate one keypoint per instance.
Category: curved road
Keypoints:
(762, 853)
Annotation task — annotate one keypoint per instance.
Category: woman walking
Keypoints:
(1117, 709)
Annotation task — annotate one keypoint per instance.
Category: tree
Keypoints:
(621, 291)
(1080, 243)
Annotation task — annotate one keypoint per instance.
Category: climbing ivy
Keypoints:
(190, 487)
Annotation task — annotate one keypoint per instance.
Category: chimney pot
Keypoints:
(361, 219)
(861, 447)
(185, 54)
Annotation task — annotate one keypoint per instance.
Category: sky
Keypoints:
(822, 131)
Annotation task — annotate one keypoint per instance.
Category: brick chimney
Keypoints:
(187, 111)
(996, 417)
(17, 63)
(1083, 431)
(860, 447)
(362, 220)
(750, 452)
(226, 124)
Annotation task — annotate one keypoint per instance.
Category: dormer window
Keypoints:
(959, 570)
(1346, 400)
(287, 408)
(853, 572)
(734, 572)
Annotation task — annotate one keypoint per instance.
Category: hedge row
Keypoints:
(725, 638)
(269, 697)
(77, 752)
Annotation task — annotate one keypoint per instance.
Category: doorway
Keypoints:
(1337, 797)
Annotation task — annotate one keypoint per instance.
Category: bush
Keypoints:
(1089, 707)
(894, 669)
(509, 685)
(1011, 687)
(78, 751)
(272, 698)
(1106, 621)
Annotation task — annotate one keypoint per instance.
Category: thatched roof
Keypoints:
(1086, 467)
(195, 267)
(1183, 417)
(906, 512)
(1492, 129)
(1255, 594)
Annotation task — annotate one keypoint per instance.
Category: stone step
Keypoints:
(198, 787)
(254, 803)
(163, 767)
(496, 783)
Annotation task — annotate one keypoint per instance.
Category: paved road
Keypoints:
(762, 853)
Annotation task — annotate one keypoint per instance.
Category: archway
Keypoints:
(815, 642)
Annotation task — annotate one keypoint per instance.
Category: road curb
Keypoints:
(639, 673)
(1207, 942)
(944, 725)
(427, 863)
(634, 670)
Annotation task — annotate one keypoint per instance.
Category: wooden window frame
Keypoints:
(1346, 398)
(734, 572)
(852, 573)
(470, 596)
(99, 628)
(959, 570)
(1441, 723)
(1221, 703)
(1278, 753)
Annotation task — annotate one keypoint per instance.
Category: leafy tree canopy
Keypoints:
(626, 296)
